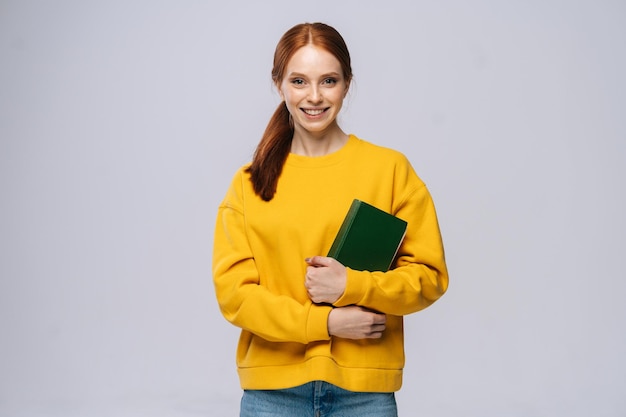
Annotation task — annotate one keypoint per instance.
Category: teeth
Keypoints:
(313, 112)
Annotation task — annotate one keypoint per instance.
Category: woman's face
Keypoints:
(313, 89)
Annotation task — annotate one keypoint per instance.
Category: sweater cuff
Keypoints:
(356, 285)
(317, 323)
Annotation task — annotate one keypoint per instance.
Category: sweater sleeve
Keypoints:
(420, 275)
(244, 302)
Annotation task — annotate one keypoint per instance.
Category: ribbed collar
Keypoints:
(325, 160)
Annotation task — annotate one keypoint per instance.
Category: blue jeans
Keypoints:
(317, 399)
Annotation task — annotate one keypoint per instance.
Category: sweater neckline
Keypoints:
(325, 160)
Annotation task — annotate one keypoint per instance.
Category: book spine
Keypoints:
(335, 249)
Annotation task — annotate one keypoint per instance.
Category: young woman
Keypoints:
(319, 338)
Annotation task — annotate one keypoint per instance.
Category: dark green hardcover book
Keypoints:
(368, 239)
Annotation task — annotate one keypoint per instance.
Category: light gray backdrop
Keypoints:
(121, 123)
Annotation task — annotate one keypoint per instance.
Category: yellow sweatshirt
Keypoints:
(259, 269)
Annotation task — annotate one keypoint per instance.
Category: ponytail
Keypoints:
(271, 153)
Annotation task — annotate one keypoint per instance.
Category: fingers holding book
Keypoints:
(325, 279)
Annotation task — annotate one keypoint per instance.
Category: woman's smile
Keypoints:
(314, 112)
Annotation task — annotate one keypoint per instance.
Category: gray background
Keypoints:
(121, 123)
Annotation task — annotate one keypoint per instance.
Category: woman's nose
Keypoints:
(315, 95)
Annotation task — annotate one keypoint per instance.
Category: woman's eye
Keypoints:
(330, 81)
(297, 81)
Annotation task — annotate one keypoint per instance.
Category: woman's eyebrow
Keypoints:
(330, 74)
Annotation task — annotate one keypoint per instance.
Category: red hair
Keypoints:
(275, 144)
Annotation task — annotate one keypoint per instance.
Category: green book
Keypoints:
(368, 239)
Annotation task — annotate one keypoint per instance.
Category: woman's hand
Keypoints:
(354, 322)
(325, 279)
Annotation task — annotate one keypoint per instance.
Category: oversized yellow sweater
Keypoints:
(259, 269)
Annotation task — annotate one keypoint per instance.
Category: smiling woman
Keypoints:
(317, 336)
